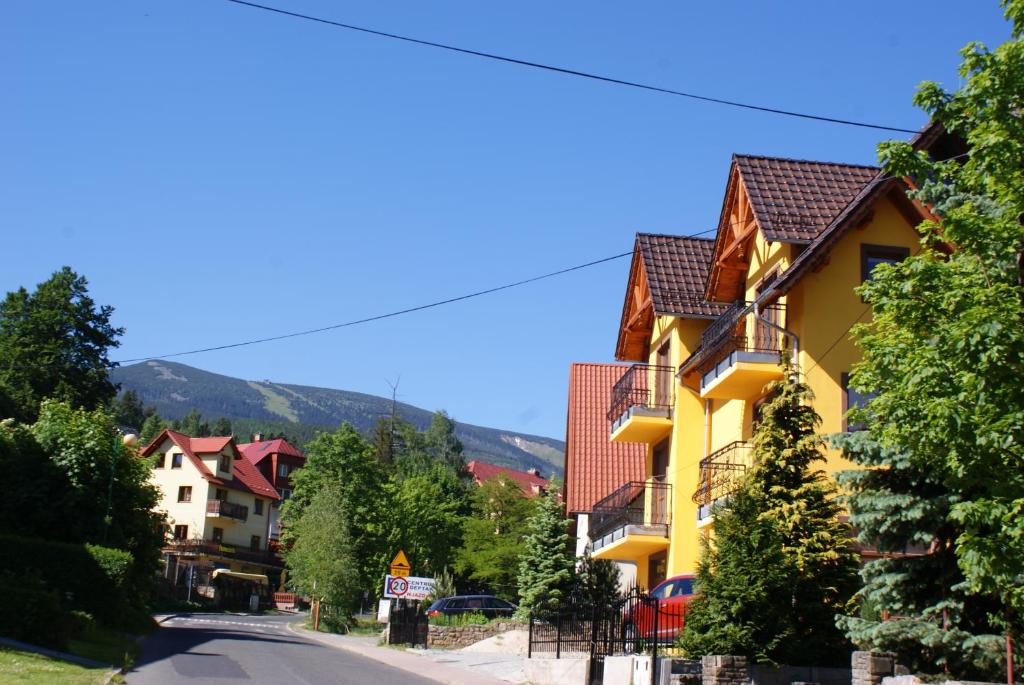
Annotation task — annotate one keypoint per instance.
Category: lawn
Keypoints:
(25, 668)
(107, 646)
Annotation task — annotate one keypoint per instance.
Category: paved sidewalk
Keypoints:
(420, 662)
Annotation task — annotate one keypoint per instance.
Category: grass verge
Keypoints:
(26, 668)
(107, 646)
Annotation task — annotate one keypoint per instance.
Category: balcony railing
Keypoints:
(644, 504)
(739, 330)
(720, 472)
(643, 386)
(216, 507)
(220, 549)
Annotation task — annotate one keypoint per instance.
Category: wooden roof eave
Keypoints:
(732, 240)
(637, 322)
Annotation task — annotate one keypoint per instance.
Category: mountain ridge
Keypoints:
(175, 388)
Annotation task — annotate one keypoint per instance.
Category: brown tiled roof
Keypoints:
(795, 200)
(676, 268)
(594, 465)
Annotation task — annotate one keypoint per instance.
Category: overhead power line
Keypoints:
(378, 317)
(569, 72)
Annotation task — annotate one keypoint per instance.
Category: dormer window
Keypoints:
(176, 460)
(225, 463)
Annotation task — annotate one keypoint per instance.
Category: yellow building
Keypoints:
(705, 320)
(217, 506)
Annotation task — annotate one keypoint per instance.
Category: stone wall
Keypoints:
(724, 670)
(870, 667)
(455, 637)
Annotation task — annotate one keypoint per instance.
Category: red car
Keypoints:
(672, 596)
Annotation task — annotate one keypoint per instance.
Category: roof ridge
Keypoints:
(738, 155)
(673, 236)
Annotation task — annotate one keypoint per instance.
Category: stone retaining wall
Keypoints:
(455, 637)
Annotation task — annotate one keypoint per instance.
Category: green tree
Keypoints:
(427, 517)
(192, 425)
(151, 428)
(442, 443)
(494, 536)
(221, 426)
(945, 348)
(898, 507)
(345, 462)
(547, 565)
(54, 342)
(129, 411)
(322, 560)
(785, 520)
(597, 581)
(36, 490)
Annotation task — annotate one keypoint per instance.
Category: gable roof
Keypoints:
(529, 483)
(594, 465)
(244, 476)
(794, 200)
(677, 267)
(256, 452)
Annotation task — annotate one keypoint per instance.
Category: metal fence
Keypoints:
(580, 627)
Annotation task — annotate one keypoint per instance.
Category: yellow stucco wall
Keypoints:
(819, 309)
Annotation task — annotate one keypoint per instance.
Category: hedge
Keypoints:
(86, 578)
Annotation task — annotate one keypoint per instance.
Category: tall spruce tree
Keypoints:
(781, 564)
(547, 565)
(903, 511)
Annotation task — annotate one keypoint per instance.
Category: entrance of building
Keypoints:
(657, 565)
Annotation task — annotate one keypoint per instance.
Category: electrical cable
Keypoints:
(569, 72)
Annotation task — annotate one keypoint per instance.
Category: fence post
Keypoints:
(593, 633)
(654, 647)
(529, 644)
(558, 635)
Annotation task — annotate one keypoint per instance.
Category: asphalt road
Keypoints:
(220, 649)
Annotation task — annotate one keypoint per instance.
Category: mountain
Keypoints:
(174, 389)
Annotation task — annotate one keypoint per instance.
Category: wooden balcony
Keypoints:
(633, 521)
(641, 404)
(216, 507)
(202, 548)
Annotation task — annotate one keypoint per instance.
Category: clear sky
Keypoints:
(220, 173)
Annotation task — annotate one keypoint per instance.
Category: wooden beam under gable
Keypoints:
(638, 319)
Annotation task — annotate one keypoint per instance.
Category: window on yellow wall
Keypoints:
(218, 535)
(851, 400)
(225, 463)
(873, 255)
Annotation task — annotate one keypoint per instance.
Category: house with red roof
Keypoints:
(276, 460)
(530, 481)
(217, 506)
(597, 471)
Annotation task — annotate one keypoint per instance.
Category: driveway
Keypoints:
(220, 649)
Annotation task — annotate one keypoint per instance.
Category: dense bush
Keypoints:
(33, 613)
(86, 578)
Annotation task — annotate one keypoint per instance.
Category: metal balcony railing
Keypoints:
(720, 472)
(221, 549)
(216, 507)
(638, 503)
(740, 330)
(647, 386)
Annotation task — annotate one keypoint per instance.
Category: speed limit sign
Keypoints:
(398, 586)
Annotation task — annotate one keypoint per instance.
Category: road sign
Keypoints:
(407, 587)
(400, 565)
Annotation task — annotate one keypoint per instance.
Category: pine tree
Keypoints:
(781, 565)
(903, 510)
(151, 428)
(547, 565)
(597, 582)
(221, 426)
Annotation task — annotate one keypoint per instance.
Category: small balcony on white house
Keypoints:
(641, 404)
(222, 508)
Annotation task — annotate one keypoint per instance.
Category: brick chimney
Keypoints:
(533, 472)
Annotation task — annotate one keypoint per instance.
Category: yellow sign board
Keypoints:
(400, 565)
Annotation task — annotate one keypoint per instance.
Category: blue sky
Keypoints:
(221, 173)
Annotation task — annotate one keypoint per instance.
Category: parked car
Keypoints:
(488, 605)
(672, 596)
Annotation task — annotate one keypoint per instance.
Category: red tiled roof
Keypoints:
(529, 483)
(244, 476)
(795, 200)
(594, 465)
(256, 452)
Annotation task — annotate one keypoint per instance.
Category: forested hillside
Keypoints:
(299, 411)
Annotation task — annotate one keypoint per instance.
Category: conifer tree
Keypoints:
(597, 581)
(781, 565)
(547, 565)
(151, 428)
(904, 512)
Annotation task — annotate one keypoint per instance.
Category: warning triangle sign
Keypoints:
(400, 564)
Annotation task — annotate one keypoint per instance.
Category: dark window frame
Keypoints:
(892, 253)
(184, 493)
(257, 508)
(225, 463)
(844, 383)
(181, 532)
(217, 535)
(254, 543)
(176, 459)
(161, 459)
